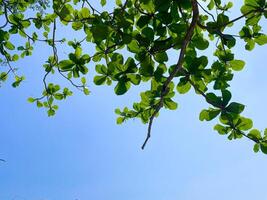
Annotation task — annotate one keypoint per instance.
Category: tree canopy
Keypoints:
(132, 45)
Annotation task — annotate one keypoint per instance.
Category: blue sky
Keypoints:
(82, 154)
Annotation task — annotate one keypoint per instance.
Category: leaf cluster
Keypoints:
(147, 30)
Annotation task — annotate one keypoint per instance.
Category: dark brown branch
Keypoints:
(231, 21)
(5, 10)
(206, 11)
(240, 17)
(178, 67)
(79, 87)
(92, 8)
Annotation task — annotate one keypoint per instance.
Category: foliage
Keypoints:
(147, 30)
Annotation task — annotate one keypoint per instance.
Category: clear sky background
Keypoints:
(82, 154)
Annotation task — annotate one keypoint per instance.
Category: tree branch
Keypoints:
(179, 66)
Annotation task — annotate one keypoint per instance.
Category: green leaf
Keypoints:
(201, 43)
(148, 5)
(59, 96)
(245, 124)
(100, 32)
(100, 80)
(213, 99)
(103, 2)
(161, 57)
(263, 147)
(85, 12)
(15, 57)
(143, 21)
(134, 78)
(255, 134)
(178, 28)
(3, 76)
(236, 108)
(226, 96)
(101, 69)
(170, 104)
(222, 130)
(130, 65)
(120, 120)
(237, 65)
(39, 104)
(250, 45)
(66, 65)
(228, 40)
(183, 86)
(134, 47)
(17, 81)
(65, 12)
(149, 33)
(146, 69)
(83, 80)
(77, 25)
(122, 87)
(31, 100)
(261, 40)
(86, 91)
(118, 3)
(184, 4)
(51, 112)
(117, 111)
(211, 5)
(9, 45)
(222, 20)
(209, 115)
(256, 148)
